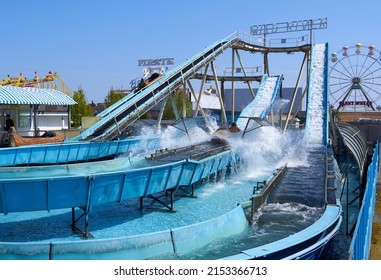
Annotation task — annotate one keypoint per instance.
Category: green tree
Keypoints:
(335, 114)
(178, 98)
(81, 109)
(113, 96)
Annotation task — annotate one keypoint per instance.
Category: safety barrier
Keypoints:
(171, 242)
(360, 245)
(72, 152)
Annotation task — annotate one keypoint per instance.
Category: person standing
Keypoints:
(8, 122)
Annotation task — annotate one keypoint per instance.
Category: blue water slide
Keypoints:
(261, 105)
(316, 131)
(137, 103)
(274, 96)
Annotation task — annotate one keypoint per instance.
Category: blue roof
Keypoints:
(25, 95)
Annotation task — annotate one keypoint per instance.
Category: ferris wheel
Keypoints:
(355, 78)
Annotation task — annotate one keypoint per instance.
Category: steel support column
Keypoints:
(244, 72)
(295, 91)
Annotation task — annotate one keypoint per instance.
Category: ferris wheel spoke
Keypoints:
(351, 66)
(343, 84)
(362, 66)
(344, 74)
(376, 100)
(372, 78)
(370, 73)
(368, 98)
(341, 78)
(346, 70)
(370, 89)
(343, 96)
(346, 95)
(371, 83)
(370, 66)
(357, 65)
(342, 87)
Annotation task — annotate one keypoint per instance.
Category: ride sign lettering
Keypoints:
(365, 103)
(156, 62)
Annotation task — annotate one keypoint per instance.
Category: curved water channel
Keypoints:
(296, 204)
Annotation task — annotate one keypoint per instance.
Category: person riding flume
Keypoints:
(234, 128)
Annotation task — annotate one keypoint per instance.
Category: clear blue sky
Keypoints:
(96, 44)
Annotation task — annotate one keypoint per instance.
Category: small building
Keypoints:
(35, 110)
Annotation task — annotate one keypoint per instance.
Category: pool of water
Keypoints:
(212, 198)
(293, 206)
(296, 203)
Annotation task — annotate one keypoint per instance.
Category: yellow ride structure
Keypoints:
(50, 81)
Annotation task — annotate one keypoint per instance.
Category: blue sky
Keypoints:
(96, 44)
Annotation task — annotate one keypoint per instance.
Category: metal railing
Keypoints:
(360, 245)
(262, 40)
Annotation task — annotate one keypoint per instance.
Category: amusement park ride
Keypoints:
(49, 81)
(71, 186)
(355, 78)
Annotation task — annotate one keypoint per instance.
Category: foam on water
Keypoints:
(260, 102)
(268, 148)
(179, 135)
(315, 110)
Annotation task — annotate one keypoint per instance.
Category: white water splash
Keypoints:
(260, 103)
(315, 120)
(267, 148)
(177, 136)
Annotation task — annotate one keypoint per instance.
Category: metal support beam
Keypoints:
(184, 100)
(160, 117)
(233, 93)
(176, 112)
(224, 120)
(84, 233)
(195, 97)
(244, 73)
(201, 90)
(188, 193)
(266, 63)
(300, 101)
(223, 97)
(166, 205)
(295, 91)
(35, 107)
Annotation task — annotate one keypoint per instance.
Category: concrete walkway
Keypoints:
(375, 246)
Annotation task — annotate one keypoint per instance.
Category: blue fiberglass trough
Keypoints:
(86, 190)
(170, 241)
(70, 152)
(309, 243)
(86, 185)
